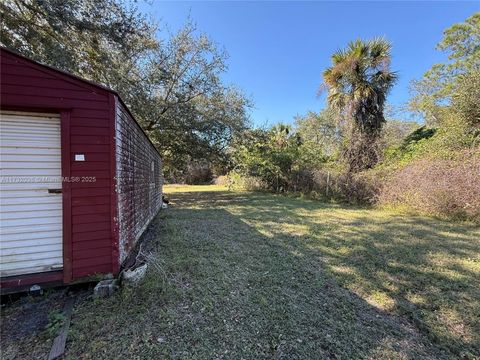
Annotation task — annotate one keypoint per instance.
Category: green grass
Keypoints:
(258, 276)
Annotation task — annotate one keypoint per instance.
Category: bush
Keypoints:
(355, 188)
(301, 181)
(221, 180)
(198, 174)
(359, 188)
(448, 188)
(237, 181)
(412, 146)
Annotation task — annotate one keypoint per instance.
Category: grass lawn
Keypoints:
(256, 276)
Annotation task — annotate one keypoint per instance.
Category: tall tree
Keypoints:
(358, 83)
(184, 104)
(433, 93)
(466, 99)
(173, 86)
(102, 40)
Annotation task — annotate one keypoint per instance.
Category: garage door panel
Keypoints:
(40, 257)
(28, 183)
(24, 151)
(31, 239)
(31, 267)
(30, 216)
(30, 223)
(26, 229)
(38, 170)
(41, 197)
(40, 163)
(15, 208)
(32, 144)
(18, 136)
(26, 252)
(47, 129)
(42, 158)
(31, 119)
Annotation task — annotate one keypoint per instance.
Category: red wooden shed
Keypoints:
(79, 183)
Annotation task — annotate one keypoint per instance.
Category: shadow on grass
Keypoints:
(414, 266)
(256, 276)
(256, 296)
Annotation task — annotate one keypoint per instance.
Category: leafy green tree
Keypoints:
(395, 132)
(358, 83)
(269, 155)
(190, 112)
(97, 39)
(173, 86)
(466, 99)
(321, 136)
(433, 93)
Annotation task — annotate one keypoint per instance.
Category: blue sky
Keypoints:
(278, 50)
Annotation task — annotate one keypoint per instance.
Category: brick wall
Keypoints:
(139, 180)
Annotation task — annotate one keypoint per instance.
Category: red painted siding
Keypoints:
(28, 86)
(139, 180)
(102, 219)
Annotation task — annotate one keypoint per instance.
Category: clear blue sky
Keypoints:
(278, 50)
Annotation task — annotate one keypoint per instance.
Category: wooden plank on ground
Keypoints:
(58, 346)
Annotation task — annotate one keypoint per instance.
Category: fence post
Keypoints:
(328, 181)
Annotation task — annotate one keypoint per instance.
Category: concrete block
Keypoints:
(105, 288)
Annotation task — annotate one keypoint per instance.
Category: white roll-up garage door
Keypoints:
(30, 200)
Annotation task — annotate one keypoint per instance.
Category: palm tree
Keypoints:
(358, 83)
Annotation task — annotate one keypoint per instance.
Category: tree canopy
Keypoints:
(173, 86)
(433, 93)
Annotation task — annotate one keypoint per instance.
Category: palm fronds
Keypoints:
(358, 83)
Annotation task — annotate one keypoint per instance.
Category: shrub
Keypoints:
(412, 146)
(446, 142)
(355, 188)
(237, 181)
(302, 181)
(198, 173)
(448, 188)
(359, 188)
(221, 180)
